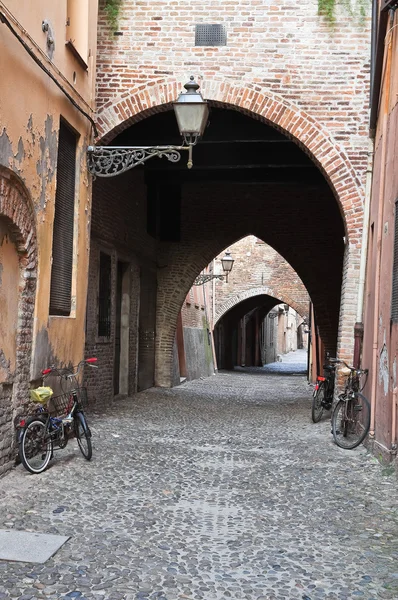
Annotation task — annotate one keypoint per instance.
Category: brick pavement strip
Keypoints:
(221, 488)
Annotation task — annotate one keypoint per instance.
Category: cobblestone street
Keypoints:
(220, 488)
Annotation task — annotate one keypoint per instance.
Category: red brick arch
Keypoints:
(261, 291)
(312, 137)
(16, 209)
(143, 101)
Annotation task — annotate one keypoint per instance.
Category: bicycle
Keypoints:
(57, 419)
(322, 398)
(351, 415)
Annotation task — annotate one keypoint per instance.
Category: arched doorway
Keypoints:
(18, 262)
(260, 162)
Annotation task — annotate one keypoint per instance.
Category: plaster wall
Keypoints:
(29, 122)
(380, 345)
(9, 289)
(31, 105)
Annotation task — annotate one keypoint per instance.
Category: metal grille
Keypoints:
(62, 260)
(104, 299)
(394, 299)
(210, 35)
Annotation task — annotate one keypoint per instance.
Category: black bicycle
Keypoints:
(351, 415)
(322, 398)
(57, 419)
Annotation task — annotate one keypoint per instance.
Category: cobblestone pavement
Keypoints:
(217, 489)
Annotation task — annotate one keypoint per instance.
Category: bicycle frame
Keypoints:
(57, 419)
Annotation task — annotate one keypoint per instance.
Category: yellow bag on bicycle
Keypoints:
(41, 394)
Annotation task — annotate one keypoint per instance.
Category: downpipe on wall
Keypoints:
(358, 332)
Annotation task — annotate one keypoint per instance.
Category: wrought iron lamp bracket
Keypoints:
(205, 277)
(109, 161)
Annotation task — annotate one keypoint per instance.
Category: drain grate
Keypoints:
(210, 35)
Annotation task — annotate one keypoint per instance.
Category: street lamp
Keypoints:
(227, 263)
(191, 112)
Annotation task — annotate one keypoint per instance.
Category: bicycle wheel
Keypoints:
(317, 406)
(35, 445)
(351, 421)
(83, 435)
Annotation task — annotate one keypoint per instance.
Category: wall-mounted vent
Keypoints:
(210, 35)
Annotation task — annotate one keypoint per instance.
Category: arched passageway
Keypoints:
(18, 264)
(245, 336)
(272, 173)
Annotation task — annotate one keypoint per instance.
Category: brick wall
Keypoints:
(285, 49)
(259, 269)
(118, 229)
(17, 214)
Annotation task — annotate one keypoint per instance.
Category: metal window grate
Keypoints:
(394, 299)
(210, 35)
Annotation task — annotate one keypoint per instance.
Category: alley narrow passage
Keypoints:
(219, 488)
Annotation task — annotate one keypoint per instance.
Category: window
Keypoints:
(62, 257)
(394, 300)
(77, 29)
(104, 295)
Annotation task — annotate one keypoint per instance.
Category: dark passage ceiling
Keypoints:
(233, 148)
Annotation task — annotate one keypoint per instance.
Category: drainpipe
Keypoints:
(380, 215)
(394, 421)
(358, 331)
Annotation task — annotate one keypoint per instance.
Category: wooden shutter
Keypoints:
(62, 262)
(394, 300)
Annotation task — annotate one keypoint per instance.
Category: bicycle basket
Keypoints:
(60, 405)
(81, 393)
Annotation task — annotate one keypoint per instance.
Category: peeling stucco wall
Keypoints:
(32, 106)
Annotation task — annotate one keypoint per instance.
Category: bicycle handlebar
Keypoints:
(70, 372)
(339, 361)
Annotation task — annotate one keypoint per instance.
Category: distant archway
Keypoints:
(261, 291)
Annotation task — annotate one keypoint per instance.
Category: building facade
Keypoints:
(46, 122)
(380, 342)
(286, 148)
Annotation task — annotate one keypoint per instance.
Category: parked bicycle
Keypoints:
(351, 415)
(58, 418)
(322, 398)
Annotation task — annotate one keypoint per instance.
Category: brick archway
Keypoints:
(17, 214)
(313, 138)
(143, 101)
(261, 291)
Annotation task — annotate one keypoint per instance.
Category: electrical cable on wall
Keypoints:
(6, 22)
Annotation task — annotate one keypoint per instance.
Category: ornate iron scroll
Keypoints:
(108, 161)
(205, 277)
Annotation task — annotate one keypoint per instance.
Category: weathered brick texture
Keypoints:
(284, 65)
(16, 211)
(119, 229)
(258, 269)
